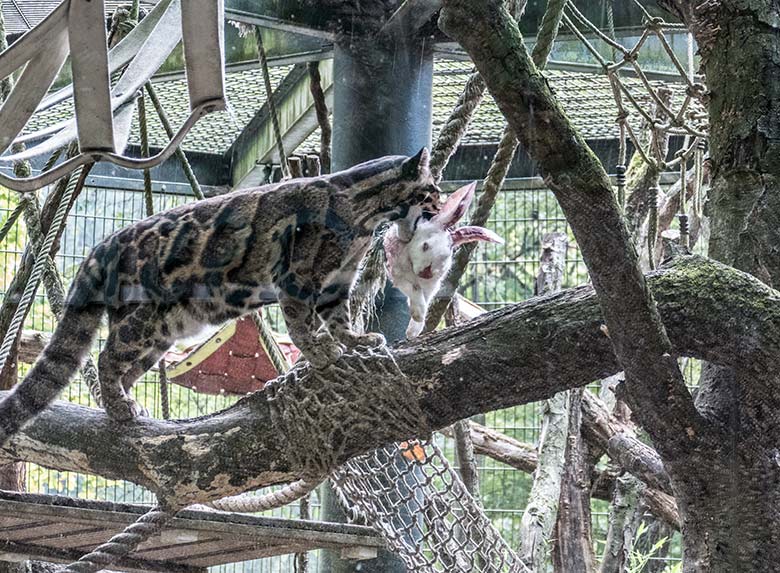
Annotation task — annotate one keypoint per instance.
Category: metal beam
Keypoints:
(288, 15)
(256, 146)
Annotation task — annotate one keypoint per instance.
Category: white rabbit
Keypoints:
(418, 266)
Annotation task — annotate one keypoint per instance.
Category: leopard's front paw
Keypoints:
(124, 409)
(370, 339)
(324, 354)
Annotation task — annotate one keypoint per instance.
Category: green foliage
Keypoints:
(638, 560)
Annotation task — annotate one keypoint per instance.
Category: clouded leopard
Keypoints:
(163, 278)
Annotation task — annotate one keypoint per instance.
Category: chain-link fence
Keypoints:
(498, 275)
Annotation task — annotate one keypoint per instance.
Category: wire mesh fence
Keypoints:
(498, 275)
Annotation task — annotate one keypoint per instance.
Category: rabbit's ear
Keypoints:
(455, 206)
(470, 234)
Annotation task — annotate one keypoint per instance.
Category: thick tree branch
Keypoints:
(608, 433)
(655, 384)
(524, 353)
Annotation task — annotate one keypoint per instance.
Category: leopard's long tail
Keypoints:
(59, 361)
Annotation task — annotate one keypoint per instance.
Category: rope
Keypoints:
(253, 503)
(11, 220)
(55, 292)
(122, 544)
(496, 174)
(676, 123)
(269, 92)
(188, 172)
(455, 128)
(491, 186)
(548, 31)
(268, 341)
(165, 404)
(652, 225)
(40, 264)
(321, 110)
(302, 558)
(143, 128)
(682, 216)
(149, 204)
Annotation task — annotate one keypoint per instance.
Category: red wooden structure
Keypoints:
(231, 361)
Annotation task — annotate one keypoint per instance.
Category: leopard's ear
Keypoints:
(416, 167)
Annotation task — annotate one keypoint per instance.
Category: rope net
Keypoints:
(671, 112)
(416, 501)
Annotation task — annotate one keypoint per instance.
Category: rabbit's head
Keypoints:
(431, 246)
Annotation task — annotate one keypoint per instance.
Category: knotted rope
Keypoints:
(122, 544)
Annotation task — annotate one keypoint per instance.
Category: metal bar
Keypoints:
(202, 23)
(119, 55)
(26, 47)
(91, 82)
(36, 79)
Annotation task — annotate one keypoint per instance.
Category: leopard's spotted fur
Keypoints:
(163, 278)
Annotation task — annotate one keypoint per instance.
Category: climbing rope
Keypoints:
(496, 175)
(269, 92)
(149, 204)
(689, 119)
(11, 220)
(75, 181)
(246, 503)
(456, 125)
(55, 291)
(321, 110)
(166, 124)
(122, 544)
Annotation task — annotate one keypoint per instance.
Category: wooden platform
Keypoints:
(62, 529)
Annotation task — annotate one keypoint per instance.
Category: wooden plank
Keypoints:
(85, 538)
(195, 538)
(202, 24)
(89, 62)
(128, 564)
(10, 520)
(26, 534)
(237, 555)
(186, 551)
(231, 524)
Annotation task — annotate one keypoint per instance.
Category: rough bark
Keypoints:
(733, 513)
(606, 432)
(625, 514)
(523, 457)
(541, 511)
(583, 190)
(524, 353)
(573, 549)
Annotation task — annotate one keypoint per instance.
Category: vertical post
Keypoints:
(381, 106)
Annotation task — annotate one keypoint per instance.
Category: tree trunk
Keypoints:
(732, 494)
(625, 513)
(541, 511)
(573, 549)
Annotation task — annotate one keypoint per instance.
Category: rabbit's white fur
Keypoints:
(418, 266)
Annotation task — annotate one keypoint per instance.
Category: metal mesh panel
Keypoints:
(412, 496)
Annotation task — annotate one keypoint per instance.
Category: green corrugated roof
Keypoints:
(586, 98)
(213, 133)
